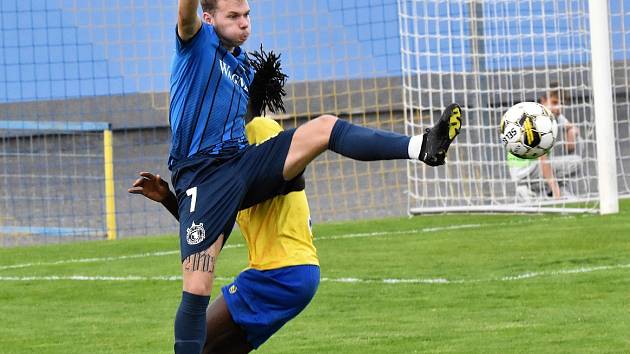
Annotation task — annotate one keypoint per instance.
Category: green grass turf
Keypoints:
(573, 294)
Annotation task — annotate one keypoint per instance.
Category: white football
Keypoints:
(528, 130)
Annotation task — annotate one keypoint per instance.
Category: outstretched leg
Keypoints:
(365, 144)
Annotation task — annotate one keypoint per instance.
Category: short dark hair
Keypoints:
(556, 91)
(208, 5)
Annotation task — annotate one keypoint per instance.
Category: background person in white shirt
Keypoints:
(552, 174)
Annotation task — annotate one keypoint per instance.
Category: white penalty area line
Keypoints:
(317, 239)
(523, 276)
(402, 232)
(388, 281)
(99, 259)
(88, 260)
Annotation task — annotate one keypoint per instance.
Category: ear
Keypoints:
(208, 18)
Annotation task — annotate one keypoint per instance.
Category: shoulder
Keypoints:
(205, 37)
(562, 120)
(261, 129)
(243, 59)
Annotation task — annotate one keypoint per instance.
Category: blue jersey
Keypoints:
(209, 93)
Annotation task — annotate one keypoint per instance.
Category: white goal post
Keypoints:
(489, 55)
(603, 107)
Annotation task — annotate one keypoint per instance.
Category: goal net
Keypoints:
(109, 61)
(487, 56)
(57, 181)
(387, 64)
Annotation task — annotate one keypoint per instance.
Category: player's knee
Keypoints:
(326, 121)
(324, 126)
(574, 164)
(198, 288)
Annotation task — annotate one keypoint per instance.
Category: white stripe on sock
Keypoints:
(415, 145)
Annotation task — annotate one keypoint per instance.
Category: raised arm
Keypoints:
(188, 23)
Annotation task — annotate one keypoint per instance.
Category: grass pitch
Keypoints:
(434, 284)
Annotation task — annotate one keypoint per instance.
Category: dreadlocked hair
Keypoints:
(267, 88)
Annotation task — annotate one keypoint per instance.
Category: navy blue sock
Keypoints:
(365, 144)
(190, 324)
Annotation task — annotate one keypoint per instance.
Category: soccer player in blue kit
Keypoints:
(283, 271)
(214, 169)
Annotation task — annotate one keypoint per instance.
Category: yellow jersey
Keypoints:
(277, 231)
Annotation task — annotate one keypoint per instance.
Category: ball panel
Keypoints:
(546, 141)
(511, 133)
(543, 124)
(517, 149)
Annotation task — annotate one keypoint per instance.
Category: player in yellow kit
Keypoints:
(277, 231)
(283, 272)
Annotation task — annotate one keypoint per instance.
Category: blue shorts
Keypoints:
(211, 189)
(261, 302)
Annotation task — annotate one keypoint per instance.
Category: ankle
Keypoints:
(415, 146)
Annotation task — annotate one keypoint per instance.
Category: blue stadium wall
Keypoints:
(58, 49)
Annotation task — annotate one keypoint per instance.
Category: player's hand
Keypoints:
(555, 190)
(151, 186)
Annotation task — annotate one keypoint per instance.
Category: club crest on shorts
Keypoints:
(195, 233)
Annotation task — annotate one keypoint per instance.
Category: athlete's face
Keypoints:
(231, 22)
(552, 102)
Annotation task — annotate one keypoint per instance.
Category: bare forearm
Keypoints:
(571, 138)
(548, 176)
(170, 203)
(187, 20)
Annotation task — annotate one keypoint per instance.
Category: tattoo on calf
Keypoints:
(200, 262)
